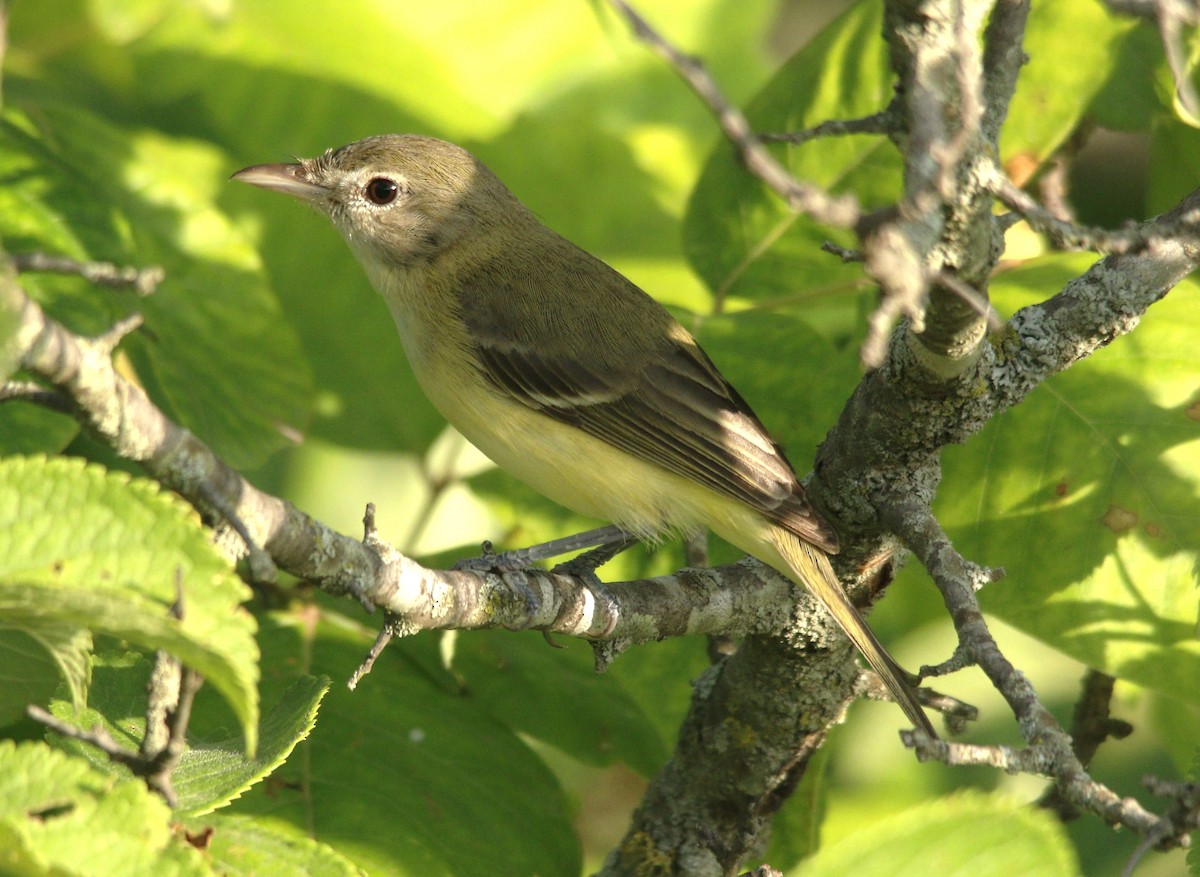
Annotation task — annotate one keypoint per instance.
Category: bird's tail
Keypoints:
(811, 566)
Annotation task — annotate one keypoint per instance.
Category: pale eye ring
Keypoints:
(381, 191)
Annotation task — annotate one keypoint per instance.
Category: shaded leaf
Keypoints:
(36, 654)
(210, 773)
(522, 682)
(466, 786)
(1052, 97)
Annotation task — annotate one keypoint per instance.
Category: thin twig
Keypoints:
(845, 254)
(876, 123)
(143, 281)
(158, 772)
(1003, 57)
(837, 210)
(97, 737)
(367, 664)
(35, 394)
(1091, 726)
(979, 303)
(1049, 751)
(1052, 186)
(1132, 238)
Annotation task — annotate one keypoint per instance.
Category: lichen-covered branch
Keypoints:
(738, 599)
(936, 382)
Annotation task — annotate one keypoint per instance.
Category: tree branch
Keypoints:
(1050, 751)
(738, 599)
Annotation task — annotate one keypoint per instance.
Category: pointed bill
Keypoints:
(290, 179)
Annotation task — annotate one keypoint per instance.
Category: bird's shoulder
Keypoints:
(546, 292)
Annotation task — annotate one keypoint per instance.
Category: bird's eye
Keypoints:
(381, 191)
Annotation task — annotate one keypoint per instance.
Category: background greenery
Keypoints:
(487, 753)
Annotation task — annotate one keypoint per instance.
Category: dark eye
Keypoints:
(381, 191)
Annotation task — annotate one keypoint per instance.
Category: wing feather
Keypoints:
(669, 406)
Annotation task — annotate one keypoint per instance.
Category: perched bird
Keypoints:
(561, 370)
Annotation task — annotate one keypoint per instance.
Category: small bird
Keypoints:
(561, 370)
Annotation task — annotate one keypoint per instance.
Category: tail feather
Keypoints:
(811, 567)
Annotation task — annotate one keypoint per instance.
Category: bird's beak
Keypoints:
(290, 179)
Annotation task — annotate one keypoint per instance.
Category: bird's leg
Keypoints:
(607, 542)
(585, 565)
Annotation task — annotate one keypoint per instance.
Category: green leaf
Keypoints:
(1052, 97)
(210, 773)
(1174, 164)
(203, 70)
(1131, 98)
(966, 835)
(107, 552)
(242, 845)
(215, 349)
(25, 429)
(61, 816)
(1086, 494)
(36, 654)
(404, 777)
(521, 682)
(740, 237)
(658, 677)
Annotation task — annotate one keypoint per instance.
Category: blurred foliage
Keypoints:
(122, 121)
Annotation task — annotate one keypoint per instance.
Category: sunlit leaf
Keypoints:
(111, 554)
(1086, 494)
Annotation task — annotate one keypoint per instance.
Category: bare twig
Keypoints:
(122, 416)
(143, 281)
(1049, 751)
(943, 222)
(876, 123)
(159, 771)
(841, 211)
(1091, 725)
(382, 639)
(155, 770)
(35, 394)
(1066, 235)
(1003, 57)
(845, 254)
(977, 302)
(97, 737)
(1052, 186)
(163, 689)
